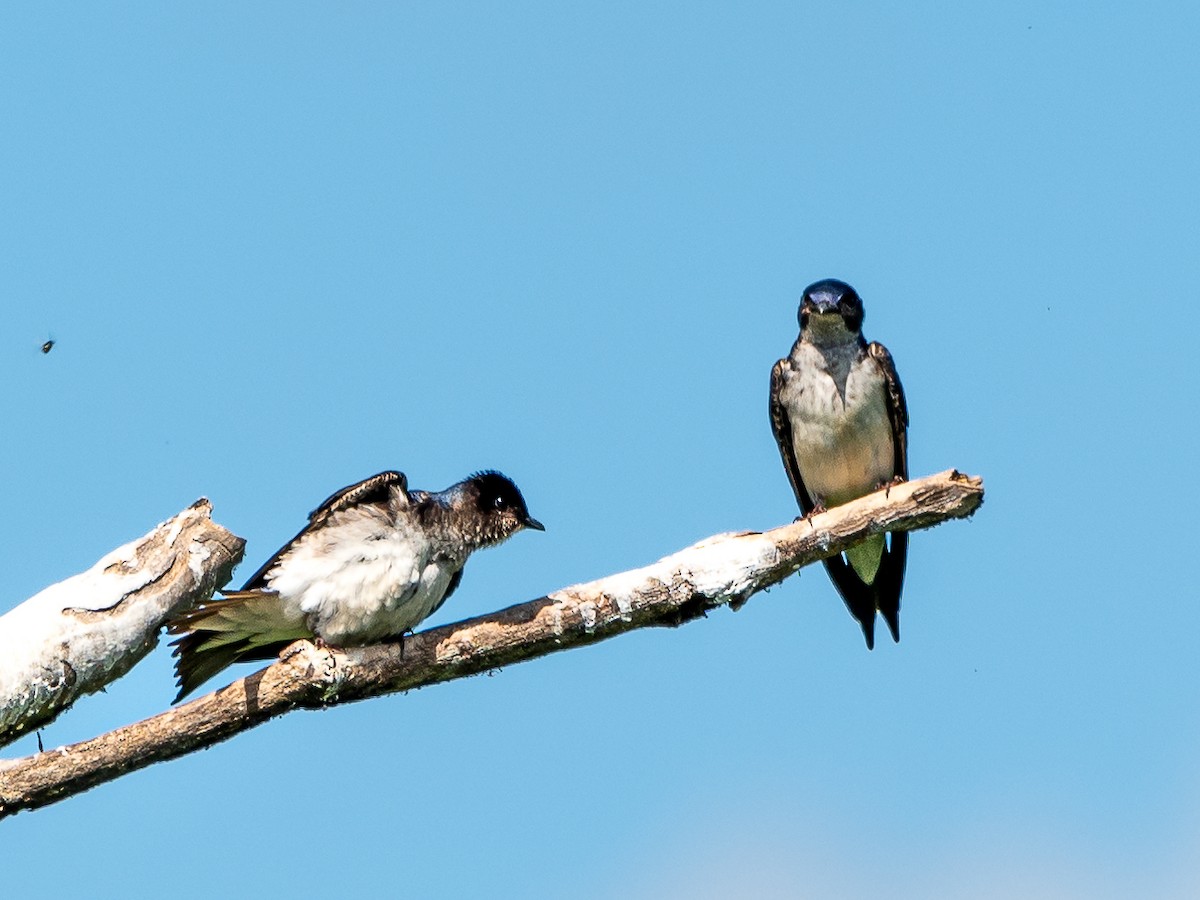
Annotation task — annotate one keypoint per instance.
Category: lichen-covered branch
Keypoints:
(76, 636)
(674, 590)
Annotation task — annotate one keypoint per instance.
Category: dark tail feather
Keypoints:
(245, 625)
(864, 599)
(196, 663)
(858, 596)
(892, 617)
(867, 621)
(889, 582)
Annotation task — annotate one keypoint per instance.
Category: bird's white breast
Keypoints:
(841, 433)
(362, 578)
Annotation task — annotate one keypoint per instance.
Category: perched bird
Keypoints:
(374, 560)
(841, 422)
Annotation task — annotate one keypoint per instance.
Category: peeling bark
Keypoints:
(674, 590)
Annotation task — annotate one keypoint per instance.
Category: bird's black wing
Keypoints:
(376, 489)
(455, 581)
(896, 404)
(782, 426)
(889, 580)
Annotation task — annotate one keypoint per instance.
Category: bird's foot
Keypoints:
(403, 635)
(818, 508)
(891, 483)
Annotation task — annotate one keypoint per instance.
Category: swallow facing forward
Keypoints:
(374, 561)
(839, 415)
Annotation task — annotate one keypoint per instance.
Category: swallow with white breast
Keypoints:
(841, 421)
(373, 562)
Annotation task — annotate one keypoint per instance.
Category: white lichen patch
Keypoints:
(631, 583)
(75, 636)
(175, 526)
(589, 615)
(552, 613)
(624, 607)
(722, 569)
(198, 555)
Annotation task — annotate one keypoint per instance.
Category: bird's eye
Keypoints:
(499, 503)
(852, 313)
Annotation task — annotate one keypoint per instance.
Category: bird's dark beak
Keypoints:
(531, 522)
(823, 304)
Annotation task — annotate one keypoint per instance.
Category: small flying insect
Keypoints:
(48, 346)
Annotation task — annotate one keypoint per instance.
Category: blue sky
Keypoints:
(284, 246)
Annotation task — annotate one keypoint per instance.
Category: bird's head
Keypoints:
(499, 508)
(831, 312)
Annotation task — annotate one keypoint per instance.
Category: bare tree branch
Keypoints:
(676, 589)
(76, 636)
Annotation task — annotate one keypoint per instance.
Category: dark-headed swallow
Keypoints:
(373, 562)
(839, 416)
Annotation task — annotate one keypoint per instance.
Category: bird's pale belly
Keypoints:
(366, 616)
(843, 460)
(842, 457)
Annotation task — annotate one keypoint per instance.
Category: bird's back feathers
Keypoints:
(378, 490)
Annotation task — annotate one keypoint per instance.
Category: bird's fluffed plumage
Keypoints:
(841, 421)
(374, 560)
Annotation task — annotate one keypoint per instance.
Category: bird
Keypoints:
(840, 418)
(48, 345)
(373, 562)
